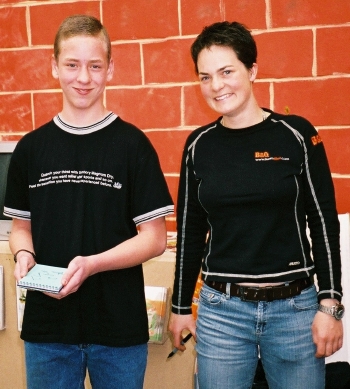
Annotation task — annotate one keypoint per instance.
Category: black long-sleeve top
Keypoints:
(246, 200)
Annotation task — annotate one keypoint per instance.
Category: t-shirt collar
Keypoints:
(85, 129)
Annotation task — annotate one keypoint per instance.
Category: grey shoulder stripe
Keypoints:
(211, 231)
(192, 146)
(297, 221)
(297, 134)
(190, 150)
(183, 234)
(324, 229)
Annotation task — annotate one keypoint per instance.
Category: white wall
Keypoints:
(344, 353)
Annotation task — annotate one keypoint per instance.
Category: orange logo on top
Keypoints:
(264, 154)
(316, 139)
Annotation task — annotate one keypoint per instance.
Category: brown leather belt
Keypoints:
(269, 293)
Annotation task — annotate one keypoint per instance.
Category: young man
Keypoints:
(86, 192)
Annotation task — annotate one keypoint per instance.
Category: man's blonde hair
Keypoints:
(81, 25)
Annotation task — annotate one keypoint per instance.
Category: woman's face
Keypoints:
(226, 83)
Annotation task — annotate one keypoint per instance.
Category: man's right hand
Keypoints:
(25, 262)
(20, 240)
(179, 323)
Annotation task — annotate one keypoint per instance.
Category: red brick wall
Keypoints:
(304, 68)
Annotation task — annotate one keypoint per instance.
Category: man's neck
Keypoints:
(82, 117)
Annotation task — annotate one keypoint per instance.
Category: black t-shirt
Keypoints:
(85, 190)
(246, 197)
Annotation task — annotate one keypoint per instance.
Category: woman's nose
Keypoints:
(217, 83)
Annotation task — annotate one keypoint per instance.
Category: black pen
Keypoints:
(184, 340)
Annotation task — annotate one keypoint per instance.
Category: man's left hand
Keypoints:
(79, 269)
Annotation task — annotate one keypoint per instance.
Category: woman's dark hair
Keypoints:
(234, 35)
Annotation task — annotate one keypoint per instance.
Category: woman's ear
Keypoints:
(253, 71)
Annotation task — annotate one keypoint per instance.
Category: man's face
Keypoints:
(82, 69)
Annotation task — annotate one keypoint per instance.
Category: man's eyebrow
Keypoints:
(78, 60)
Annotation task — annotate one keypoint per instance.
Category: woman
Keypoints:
(251, 182)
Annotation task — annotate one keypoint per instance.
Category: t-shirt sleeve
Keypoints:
(17, 203)
(150, 196)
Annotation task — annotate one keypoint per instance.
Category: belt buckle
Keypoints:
(268, 291)
(243, 291)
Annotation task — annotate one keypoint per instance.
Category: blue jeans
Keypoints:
(63, 366)
(232, 333)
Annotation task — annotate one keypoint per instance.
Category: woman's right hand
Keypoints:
(177, 324)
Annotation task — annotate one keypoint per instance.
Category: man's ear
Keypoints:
(54, 67)
(253, 71)
(110, 70)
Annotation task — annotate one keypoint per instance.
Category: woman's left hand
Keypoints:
(327, 333)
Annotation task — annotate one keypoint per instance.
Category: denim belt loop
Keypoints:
(228, 290)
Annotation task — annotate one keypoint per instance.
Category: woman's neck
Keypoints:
(246, 116)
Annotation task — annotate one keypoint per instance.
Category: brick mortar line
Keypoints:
(183, 129)
(32, 3)
(183, 37)
(185, 83)
(145, 130)
(172, 129)
(335, 127)
(341, 176)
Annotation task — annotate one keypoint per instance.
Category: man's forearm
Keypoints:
(149, 243)
(21, 236)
